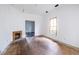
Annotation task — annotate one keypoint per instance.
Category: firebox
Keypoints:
(17, 35)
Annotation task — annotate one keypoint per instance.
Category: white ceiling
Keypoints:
(34, 8)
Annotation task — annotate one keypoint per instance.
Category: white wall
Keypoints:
(67, 24)
(13, 20)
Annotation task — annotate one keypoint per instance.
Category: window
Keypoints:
(53, 25)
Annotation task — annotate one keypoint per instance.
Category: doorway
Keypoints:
(30, 28)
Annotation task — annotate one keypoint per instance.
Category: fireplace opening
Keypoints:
(17, 35)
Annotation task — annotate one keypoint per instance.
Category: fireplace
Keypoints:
(17, 35)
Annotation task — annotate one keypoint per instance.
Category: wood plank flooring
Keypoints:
(65, 48)
(39, 46)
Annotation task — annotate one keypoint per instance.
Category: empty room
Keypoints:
(39, 29)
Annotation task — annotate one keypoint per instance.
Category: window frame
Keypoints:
(52, 32)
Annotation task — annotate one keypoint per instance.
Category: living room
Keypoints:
(14, 16)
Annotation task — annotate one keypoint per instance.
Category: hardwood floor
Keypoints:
(65, 48)
(39, 46)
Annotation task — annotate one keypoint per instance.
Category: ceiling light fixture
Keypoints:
(46, 11)
(56, 5)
